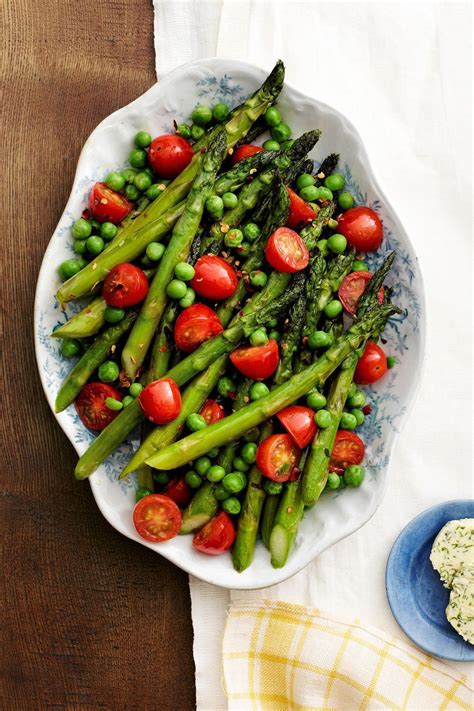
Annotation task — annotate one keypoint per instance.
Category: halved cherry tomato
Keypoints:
(300, 211)
(169, 155)
(244, 151)
(216, 536)
(352, 289)
(277, 457)
(194, 325)
(299, 422)
(348, 449)
(179, 491)
(214, 278)
(160, 401)
(157, 518)
(91, 407)
(362, 228)
(125, 285)
(257, 362)
(212, 412)
(372, 365)
(107, 205)
(286, 252)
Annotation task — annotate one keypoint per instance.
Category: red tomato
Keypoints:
(160, 401)
(169, 155)
(214, 279)
(157, 518)
(362, 228)
(352, 289)
(91, 407)
(108, 206)
(216, 536)
(179, 491)
(244, 151)
(286, 252)
(257, 362)
(299, 422)
(212, 412)
(371, 366)
(125, 285)
(300, 211)
(277, 457)
(348, 449)
(194, 325)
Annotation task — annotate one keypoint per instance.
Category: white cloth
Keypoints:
(400, 72)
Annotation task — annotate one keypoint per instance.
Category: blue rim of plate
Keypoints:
(415, 592)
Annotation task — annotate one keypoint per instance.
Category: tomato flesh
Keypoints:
(372, 365)
(352, 289)
(300, 211)
(169, 155)
(216, 536)
(244, 151)
(179, 491)
(91, 407)
(160, 401)
(286, 252)
(277, 457)
(106, 205)
(214, 278)
(194, 325)
(212, 412)
(125, 285)
(362, 228)
(257, 362)
(157, 518)
(299, 422)
(348, 449)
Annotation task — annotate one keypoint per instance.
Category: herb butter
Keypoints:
(453, 548)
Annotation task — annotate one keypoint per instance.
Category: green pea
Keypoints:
(188, 299)
(131, 192)
(95, 225)
(335, 181)
(271, 145)
(147, 263)
(281, 133)
(251, 231)
(225, 386)
(324, 194)
(348, 421)
(359, 266)
(274, 335)
(323, 419)
(315, 400)
(230, 200)
(258, 337)
(113, 314)
(258, 390)
(234, 482)
(160, 477)
(195, 422)
(333, 309)
(95, 245)
(71, 267)
(184, 130)
(240, 465)
(345, 201)
(142, 181)
(137, 158)
(202, 465)
(142, 139)
(215, 473)
(192, 479)
(286, 145)
(215, 206)
(319, 339)
(332, 224)
(70, 347)
(258, 278)
(356, 399)
(273, 323)
(141, 492)
(272, 117)
(128, 399)
(80, 246)
(155, 251)
(213, 452)
(113, 404)
(352, 390)
(129, 174)
(108, 230)
(220, 111)
(220, 493)
(322, 245)
(310, 193)
(391, 361)
(252, 435)
(231, 505)
(334, 481)
(115, 180)
(81, 229)
(243, 249)
(197, 132)
(337, 243)
(359, 415)
(154, 191)
(234, 238)
(176, 289)
(184, 271)
(135, 389)
(108, 371)
(201, 115)
(249, 452)
(304, 180)
(354, 475)
(273, 488)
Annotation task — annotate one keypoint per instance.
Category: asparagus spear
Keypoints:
(200, 509)
(86, 323)
(92, 358)
(139, 340)
(291, 337)
(259, 127)
(236, 176)
(161, 351)
(286, 522)
(327, 167)
(268, 517)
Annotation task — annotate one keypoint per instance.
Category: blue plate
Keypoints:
(415, 592)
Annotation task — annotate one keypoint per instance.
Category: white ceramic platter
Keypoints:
(337, 514)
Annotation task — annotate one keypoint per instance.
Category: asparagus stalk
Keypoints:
(200, 509)
(259, 127)
(286, 522)
(268, 517)
(84, 324)
(162, 347)
(234, 178)
(327, 167)
(291, 337)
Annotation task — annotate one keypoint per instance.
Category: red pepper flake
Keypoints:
(231, 394)
(246, 398)
(367, 409)
(163, 349)
(230, 151)
(305, 340)
(289, 509)
(113, 348)
(86, 214)
(224, 228)
(321, 175)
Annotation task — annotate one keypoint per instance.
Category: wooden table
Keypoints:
(93, 621)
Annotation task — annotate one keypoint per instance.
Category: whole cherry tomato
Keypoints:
(286, 252)
(157, 518)
(352, 289)
(212, 412)
(160, 401)
(372, 365)
(169, 155)
(277, 457)
(348, 449)
(214, 278)
(301, 212)
(125, 285)
(179, 491)
(91, 407)
(106, 205)
(194, 325)
(257, 362)
(299, 422)
(362, 228)
(244, 151)
(216, 536)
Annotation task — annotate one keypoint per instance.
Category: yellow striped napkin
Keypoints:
(279, 656)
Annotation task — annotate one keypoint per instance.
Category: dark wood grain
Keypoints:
(92, 620)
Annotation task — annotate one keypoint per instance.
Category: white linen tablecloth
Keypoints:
(400, 72)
